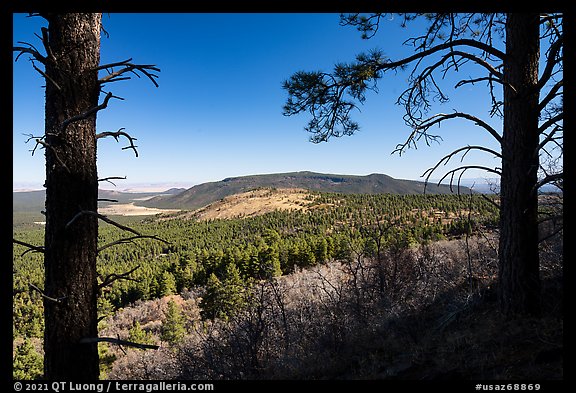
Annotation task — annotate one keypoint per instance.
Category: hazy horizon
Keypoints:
(127, 186)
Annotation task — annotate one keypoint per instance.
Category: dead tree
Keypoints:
(74, 84)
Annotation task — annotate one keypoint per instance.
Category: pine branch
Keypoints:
(421, 129)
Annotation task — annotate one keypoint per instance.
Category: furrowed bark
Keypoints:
(71, 186)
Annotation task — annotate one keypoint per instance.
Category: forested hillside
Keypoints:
(206, 193)
(216, 270)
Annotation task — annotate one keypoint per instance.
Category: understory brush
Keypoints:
(428, 312)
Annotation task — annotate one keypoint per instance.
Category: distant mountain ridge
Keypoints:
(23, 201)
(203, 194)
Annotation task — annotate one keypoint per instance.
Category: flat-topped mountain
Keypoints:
(206, 193)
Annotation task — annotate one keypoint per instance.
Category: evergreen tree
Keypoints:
(223, 298)
(138, 335)
(269, 262)
(173, 330)
(233, 297)
(167, 284)
(27, 363)
(210, 302)
(321, 250)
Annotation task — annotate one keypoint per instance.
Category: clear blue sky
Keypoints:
(218, 110)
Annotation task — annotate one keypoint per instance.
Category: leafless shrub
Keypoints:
(161, 364)
(316, 322)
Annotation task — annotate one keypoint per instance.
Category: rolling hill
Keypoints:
(204, 194)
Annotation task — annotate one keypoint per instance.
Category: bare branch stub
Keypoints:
(88, 113)
(118, 134)
(117, 341)
(52, 299)
(40, 142)
(112, 178)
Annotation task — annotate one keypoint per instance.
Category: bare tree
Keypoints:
(525, 98)
(71, 68)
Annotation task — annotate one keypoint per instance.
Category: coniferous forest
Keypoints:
(370, 257)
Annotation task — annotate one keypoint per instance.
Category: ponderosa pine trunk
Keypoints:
(519, 281)
(72, 90)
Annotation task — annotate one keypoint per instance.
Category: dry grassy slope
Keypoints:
(253, 203)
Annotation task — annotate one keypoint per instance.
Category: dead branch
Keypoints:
(551, 234)
(118, 134)
(30, 50)
(112, 177)
(46, 76)
(37, 139)
(103, 218)
(421, 129)
(549, 137)
(45, 42)
(551, 62)
(88, 113)
(497, 206)
(46, 145)
(550, 122)
(109, 279)
(463, 169)
(117, 225)
(464, 55)
(553, 93)
(444, 160)
(130, 240)
(31, 248)
(549, 179)
(117, 341)
(114, 76)
(52, 299)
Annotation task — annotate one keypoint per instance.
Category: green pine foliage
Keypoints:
(138, 335)
(173, 328)
(223, 298)
(221, 257)
(27, 363)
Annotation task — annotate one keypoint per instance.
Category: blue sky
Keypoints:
(218, 110)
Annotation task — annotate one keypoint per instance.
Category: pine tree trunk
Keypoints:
(519, 282)
(72, 89)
